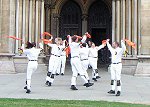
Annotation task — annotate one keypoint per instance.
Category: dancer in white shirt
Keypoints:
(53, 61)
(116, 65)
(93, 57)
(76, 62)
(62, 60)
(32, 54)
(84, 53)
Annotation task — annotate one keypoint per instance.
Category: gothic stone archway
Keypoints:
(99, 25)
(70, 19)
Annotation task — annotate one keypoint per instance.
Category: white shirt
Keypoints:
(84, 53)
(75, 47)
(93, 52)
(116, 54)
(63, 52)
(32, 53)
(56, 50)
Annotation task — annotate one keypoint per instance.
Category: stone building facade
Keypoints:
(114, 19)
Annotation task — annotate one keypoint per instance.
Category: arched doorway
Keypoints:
(99, 25)
(70, 19)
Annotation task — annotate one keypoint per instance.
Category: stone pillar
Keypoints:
(37, 22)
(139, 27)
(113, 20)
(123, 16)
(12, 25)
(84, 23)
(17, 25)
(30, 21)
(135, 24)
(24, 21)
(33, 20)
(55, 24)
(128, 20)
(0, 25)
(118, 21)
(27, 20)
(48, 17)
(20, 21)
(42, 16)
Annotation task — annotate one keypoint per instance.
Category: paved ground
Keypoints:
(134, 89)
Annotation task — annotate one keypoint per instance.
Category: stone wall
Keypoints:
(145, 26)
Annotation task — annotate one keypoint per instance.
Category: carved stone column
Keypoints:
(139, 27)
(24, 20)
(135, 24)
(42, 16)
(128, 22)
(123, 20)
(49, 4)
(12, 25)
(0, 25)
(84, 23)
(37, 22)
(118, 20)
(113, 19)
(17, 25)
(30, 20)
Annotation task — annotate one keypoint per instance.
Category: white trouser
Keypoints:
(53, 66)
(85, 64)
(31, 68)
(77, 68)
(62, 63)
(59, 65)
(115, 71)
(93, 64)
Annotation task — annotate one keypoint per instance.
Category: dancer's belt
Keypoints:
(116, 63)
(83, 59)
(55, 55)
(75, 57)
(32, 60)
(92, 57)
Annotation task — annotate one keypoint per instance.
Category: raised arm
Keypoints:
(26, 51)
(69, 39)
(84, 39)
(123, 46)
(109, 46)
(100, 47)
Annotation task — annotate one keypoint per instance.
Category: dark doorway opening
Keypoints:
(99, 25)
(98, 35)
(70, 19)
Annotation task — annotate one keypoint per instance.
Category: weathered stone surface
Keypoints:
(21, 63)
(143, 66)
(6, 63)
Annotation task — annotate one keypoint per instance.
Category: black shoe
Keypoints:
(47, 82)
(25, 87)
(94, 79)
(111, 92)
(97, 77)
(28, 91)
(73, 87)
(118, 93)
(62, 74)
(88, 84)
(57, 74)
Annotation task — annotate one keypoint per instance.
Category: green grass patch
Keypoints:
(62, 103)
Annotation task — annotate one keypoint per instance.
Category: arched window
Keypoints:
(70, 19)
